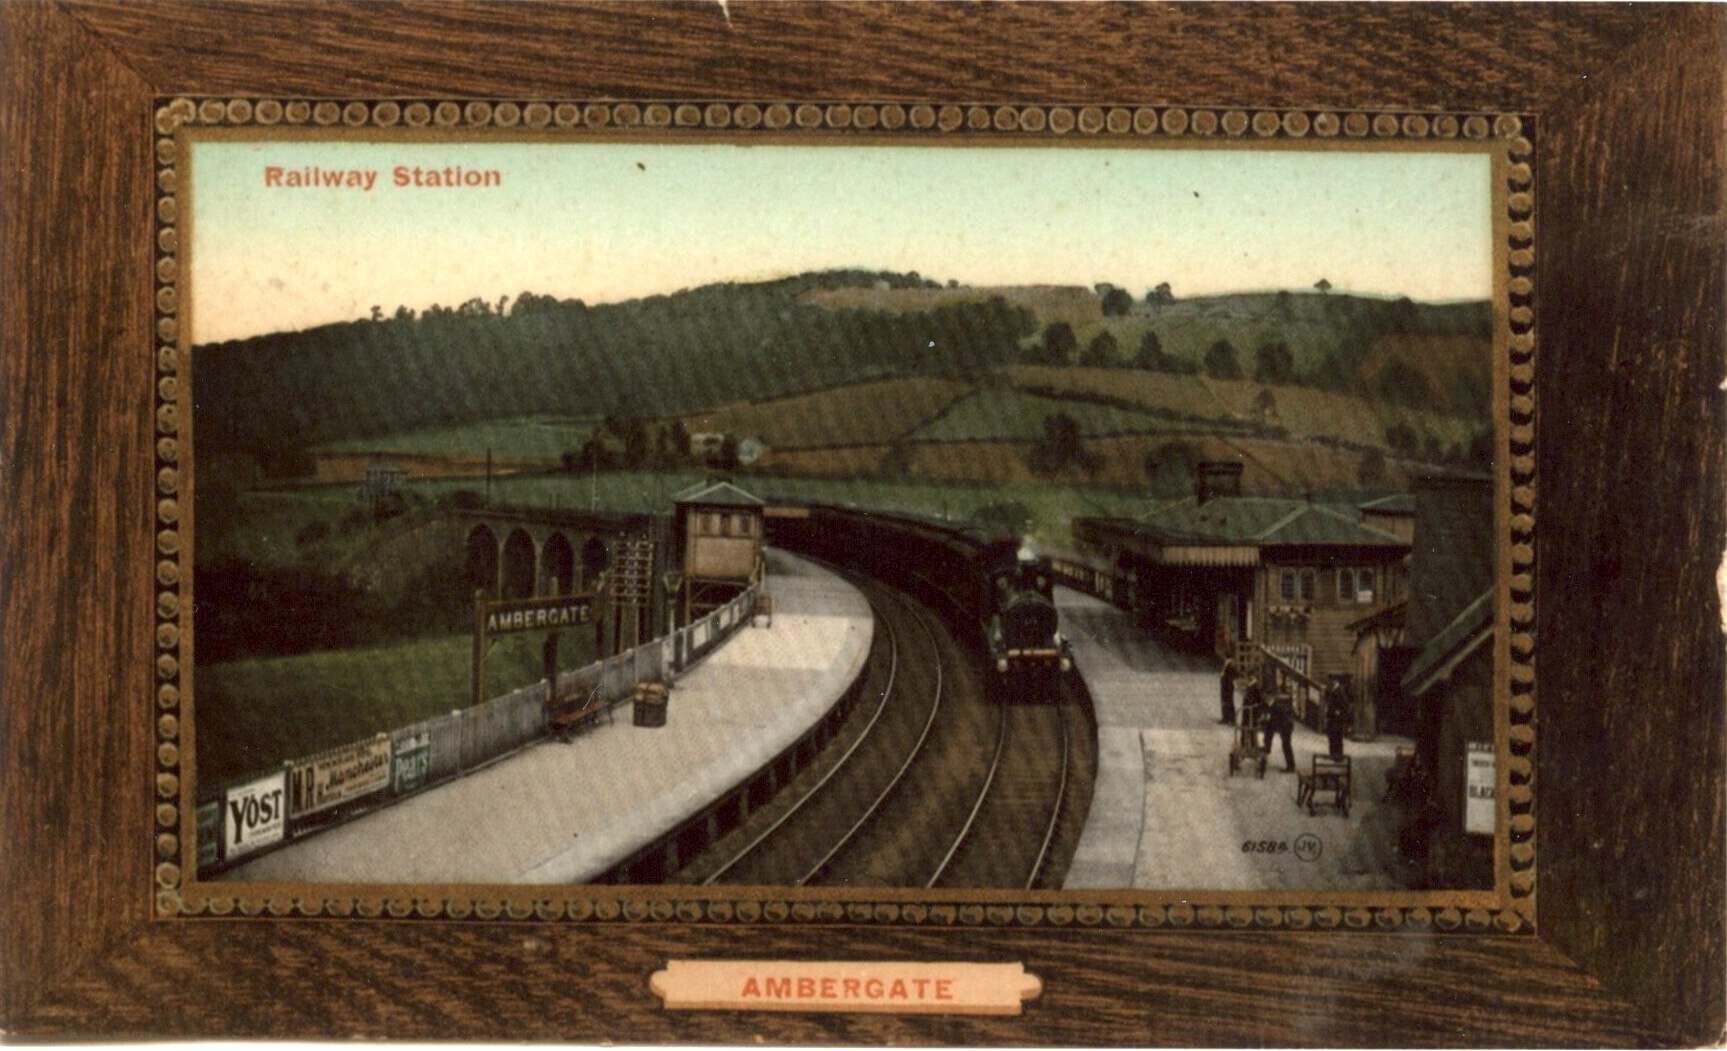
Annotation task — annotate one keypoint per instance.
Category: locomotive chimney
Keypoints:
(1214, 478)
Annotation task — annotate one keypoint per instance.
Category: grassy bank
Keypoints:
(254, 714)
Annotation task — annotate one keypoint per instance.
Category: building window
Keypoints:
(1298, 585)
(1355, 585)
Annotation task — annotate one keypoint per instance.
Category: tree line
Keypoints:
(1360, 325)
(647, 358)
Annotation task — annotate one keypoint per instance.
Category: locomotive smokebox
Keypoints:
(1028, 620)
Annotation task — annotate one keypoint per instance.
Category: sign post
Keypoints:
(516, 615)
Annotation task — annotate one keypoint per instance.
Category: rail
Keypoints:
(1057, 811)
(917, 748)
(875, 717)
(976, 807)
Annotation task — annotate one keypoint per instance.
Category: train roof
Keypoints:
(976, 532)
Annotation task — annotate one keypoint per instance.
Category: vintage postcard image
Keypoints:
(890, 518)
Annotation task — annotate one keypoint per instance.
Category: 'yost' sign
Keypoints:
(567, 611)
(254, 815)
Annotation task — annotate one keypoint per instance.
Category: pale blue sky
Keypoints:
(610, 221)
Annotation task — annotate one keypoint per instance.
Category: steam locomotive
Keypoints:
(996, 592)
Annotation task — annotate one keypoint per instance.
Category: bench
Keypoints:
(1327, 775)
(568, 720)
(1400, 780)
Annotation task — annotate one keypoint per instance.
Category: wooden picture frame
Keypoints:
(1628, 160)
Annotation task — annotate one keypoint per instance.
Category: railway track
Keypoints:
(931, 785)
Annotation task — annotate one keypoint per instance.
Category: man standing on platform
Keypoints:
(1337, 718)
(1226, 693)
(1282, 723)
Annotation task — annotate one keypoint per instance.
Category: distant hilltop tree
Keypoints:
(1151, 357)
(1058, 346)
(1102, 352)
(1061, 446)
(1160, 294)
(1221, 362)
(1273, 363)
(1322, 285)
(1169, 466)
(1116, 302)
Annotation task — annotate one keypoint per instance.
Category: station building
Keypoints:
(1227, 573)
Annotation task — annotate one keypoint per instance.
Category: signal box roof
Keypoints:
(717, 494)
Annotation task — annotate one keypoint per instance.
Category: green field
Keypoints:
(858, 414)
(998, 414)
(522, 438)
(1304, 412)
(252, 715)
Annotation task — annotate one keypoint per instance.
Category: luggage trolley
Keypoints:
(1249, 736)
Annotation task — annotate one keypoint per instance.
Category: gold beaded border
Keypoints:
(781, 117)
(1515, 344)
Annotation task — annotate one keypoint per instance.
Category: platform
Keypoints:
(1167, 815)
(564, 813)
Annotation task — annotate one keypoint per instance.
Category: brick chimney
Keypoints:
(1213, 478)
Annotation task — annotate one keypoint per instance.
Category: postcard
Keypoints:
(882, 525)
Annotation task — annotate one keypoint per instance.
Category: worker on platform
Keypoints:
(1226, 693)
(1281, 723)
(1338, 717)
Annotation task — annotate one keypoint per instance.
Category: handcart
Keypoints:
(1248, 749)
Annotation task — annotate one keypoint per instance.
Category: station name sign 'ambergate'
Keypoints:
(566, 611)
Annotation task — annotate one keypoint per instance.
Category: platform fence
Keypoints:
(442, 748)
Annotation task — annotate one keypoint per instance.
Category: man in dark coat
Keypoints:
(1338, 718)
(1226, 693)
(1282, 723)
(1252, 702)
